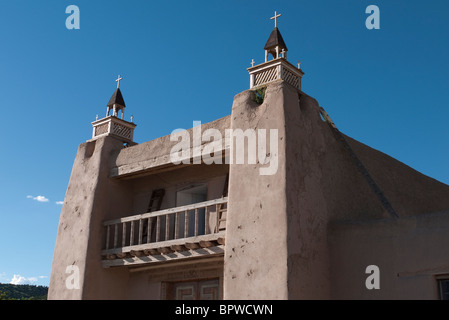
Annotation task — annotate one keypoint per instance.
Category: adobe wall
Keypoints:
(155, 154)
(87, 203)
(410, 252)
(256, 227)
(276, 242)
(324, 184)
(409, 191)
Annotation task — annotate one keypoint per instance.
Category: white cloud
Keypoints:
(18, 279)
(59, 202)
(38, 198)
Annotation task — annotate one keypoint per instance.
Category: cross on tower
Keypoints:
(283, 52)
(275, 18)
(118, 81)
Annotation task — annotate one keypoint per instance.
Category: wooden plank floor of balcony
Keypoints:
(129, 260)
(193, 247)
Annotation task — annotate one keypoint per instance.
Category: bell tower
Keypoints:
(278, 68)
(116, 103)
(275, 44)
(111, 124)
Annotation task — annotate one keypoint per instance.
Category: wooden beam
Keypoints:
(192, 245)
(165, 250)
(136, 253)
(161, 269)
(178, 247)
(207, 244)
(221, 240)
(206, 253)
(149, 252)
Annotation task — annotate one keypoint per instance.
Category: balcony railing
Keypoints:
(179, 229)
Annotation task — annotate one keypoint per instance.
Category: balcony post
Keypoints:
(196, 222)
(124, 234)
(167, 227)
(140, 232)
(107, 236)
(131, 234)
(186, 223)
(158, 228)
(115, 235)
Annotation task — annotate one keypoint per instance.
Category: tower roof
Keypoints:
(117, 98)
(274, 40)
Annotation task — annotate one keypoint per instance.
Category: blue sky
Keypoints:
(184, 61)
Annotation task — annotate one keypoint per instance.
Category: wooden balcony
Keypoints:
(196, 230)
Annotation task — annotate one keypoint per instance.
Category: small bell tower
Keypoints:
(275, 44)
(116, 103)
(113, 125)
(278, 68)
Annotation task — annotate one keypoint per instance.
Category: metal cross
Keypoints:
(118, 81)
(283, 53)
(252, 63)
(275, 18)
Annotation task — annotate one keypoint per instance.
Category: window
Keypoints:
(443, 288)
(193, 290)
(191, 195)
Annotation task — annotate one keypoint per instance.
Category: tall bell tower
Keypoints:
(111, 124)
(278, 68)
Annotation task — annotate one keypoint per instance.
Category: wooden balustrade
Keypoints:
(195, 220)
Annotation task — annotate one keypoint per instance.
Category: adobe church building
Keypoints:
(137, 225)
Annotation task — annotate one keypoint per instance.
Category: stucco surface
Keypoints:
(87, 203)
(155, 154)
(256, 228)
(410, 253)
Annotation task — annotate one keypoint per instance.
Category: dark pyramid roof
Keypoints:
(274, 40)
(117, 98)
